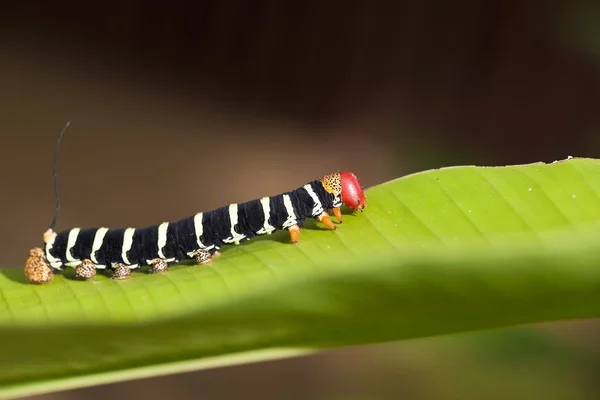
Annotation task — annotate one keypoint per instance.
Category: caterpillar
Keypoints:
(198, 237)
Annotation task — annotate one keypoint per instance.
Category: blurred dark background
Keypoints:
(183, 106)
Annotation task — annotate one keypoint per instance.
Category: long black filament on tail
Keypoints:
(56, 176)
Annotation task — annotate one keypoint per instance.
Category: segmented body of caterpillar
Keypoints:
(199, 236)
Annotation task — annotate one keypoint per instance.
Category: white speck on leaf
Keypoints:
(469, 210)
(573, 195)
(530, 189)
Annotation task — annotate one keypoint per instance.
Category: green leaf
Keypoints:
(443, 251)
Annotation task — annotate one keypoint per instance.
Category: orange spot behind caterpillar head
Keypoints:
(332, 183)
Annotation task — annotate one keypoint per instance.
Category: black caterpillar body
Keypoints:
(175, 241)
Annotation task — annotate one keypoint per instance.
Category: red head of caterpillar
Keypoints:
(346, 187)
(352, 192)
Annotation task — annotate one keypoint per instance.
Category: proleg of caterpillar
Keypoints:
(324, 218)
(294, 233)
(36, 268)
(158, 265)
(202, 256)
(121, 272)
(337, 211)
(86, 270)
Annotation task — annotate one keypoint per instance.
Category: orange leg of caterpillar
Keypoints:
(324, 218)
(338, 214)
(294, 233)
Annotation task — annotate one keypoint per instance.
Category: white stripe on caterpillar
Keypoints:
(318, 208)
(199, 230)
(266, 206)
(162, 238)
(233, 218)
(162, 242)
(71, 241)
(98, 240)
(291, 219)
(127, 243)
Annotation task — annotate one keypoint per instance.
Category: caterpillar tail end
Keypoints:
(36, 268)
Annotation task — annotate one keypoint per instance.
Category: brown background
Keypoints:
(179, 107)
